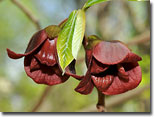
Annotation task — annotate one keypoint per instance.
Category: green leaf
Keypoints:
(90, 3)
(79, 31)
(64, 42)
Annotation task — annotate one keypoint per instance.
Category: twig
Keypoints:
(118, 99)
(27, 13)
(41, 100)
(101, 102)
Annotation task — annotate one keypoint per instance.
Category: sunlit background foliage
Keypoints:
(127, 21)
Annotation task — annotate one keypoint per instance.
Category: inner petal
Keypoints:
(102, 83)
(120, 86)
(34, 64)
(122, 73)
(98, 67)
(47, 53)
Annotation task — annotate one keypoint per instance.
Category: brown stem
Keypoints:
(101, 102)
(41, 100)
(27, 13)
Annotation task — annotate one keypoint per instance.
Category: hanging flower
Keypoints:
(41, 63)
(112, 68)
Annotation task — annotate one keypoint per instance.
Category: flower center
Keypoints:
(121, 72)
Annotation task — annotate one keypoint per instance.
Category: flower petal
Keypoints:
(110, 53)
(85, 86)
(120, 85)
(88, 57)
(132, 58)
(44, 75)
(98, 67)
(122, 73)
(34, 65)
(34, 43)
(36, 40)
(14, 55)
(102, 83)
(47, 53)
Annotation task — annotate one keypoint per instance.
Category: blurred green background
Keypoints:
(128, 21)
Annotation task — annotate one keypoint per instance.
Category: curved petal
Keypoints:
(122, 73)
(132, 58)
(120, 85)
(45, 74)
(36, 40)
(85, 86)
(102, 83)
(34, 43)
(14, 55)
(98, 67)
(110, 53)
(47, 53)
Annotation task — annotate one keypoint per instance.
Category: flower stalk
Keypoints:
(101, 102)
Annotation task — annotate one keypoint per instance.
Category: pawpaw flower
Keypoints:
(112, 68)
(40, 62)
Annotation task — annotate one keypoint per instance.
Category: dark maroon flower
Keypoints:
(112, 69)
(41, 63)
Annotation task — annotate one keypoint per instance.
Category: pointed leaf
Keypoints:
(64, 42)
(78, 32)
(90, 3)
